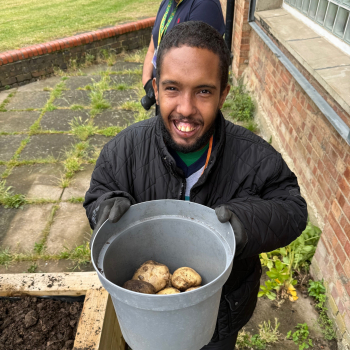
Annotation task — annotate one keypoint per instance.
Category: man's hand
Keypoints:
(224, 214)
(112, 209)
(150, 99)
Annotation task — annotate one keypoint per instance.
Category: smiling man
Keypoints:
(190, 152)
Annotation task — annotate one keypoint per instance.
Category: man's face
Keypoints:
(189, 94)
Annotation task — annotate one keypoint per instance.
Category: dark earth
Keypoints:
(33, 323)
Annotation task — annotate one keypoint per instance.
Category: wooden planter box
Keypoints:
(98, 327)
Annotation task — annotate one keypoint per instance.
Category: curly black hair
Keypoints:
(196, 34)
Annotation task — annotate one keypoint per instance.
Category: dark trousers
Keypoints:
(226, 344)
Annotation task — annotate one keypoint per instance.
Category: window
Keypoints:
(334, 15)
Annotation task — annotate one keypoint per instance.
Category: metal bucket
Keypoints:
(177, 234)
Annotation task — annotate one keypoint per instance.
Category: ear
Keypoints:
(224, 94)
(155, 88)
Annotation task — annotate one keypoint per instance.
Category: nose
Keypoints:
(186, 106)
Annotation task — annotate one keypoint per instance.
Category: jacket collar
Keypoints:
(215, 155)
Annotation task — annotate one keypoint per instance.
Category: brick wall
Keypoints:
(19, 67)
(314, 150)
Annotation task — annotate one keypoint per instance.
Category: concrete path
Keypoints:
(51, 133)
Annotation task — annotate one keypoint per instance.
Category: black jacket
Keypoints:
(244, 172)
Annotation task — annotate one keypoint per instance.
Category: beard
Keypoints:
(199, 143)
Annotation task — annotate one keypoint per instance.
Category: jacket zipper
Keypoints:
(183, 183)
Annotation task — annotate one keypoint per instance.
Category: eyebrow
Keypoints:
(202, 86)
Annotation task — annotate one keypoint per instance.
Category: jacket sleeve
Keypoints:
(103, 185)
(275, 217)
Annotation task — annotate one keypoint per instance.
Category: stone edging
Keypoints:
(28, 64)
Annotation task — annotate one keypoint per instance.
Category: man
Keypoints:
(191, 152)
(171, 13)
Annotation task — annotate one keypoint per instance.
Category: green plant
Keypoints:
(32, 268)
(251, 126)
(39, 247)
(89, 59)
(79, 255)
(82, 129)
(76, 200)
(292, 258)
(77, 107)
(317, 290)
(240, 103)
(301, 336)
(10, 200)
(5, 257)
(111, 131)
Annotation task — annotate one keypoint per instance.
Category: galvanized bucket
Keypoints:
(177, 234)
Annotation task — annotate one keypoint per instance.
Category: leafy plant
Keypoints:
(283, 261)
(10, 200)
(111, 130)
(301, 336)
(32, 268)
(317, 290)
(5, 257)
(82, 129)
(77, 107)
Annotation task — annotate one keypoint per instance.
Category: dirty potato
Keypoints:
(168, 284)
(167, 291)
(140, 287)
(184, 278)
(153, 272)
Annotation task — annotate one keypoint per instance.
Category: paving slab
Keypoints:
(95, 69)
(74, 83)
(36, 181)
(69, 229)
(128, 79)
(73, 97)
(122, 65)
(43, 146)
(26, 227)
(28, 99)
(96, 143)
(17, 121)
(117, 98)
(9, 145)
(114, 118)
(40, 85)
(3, 96)
(59, 119)
(6, 217)
(80, 183)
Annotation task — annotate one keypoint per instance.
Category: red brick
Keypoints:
(336, 210)
(340, 253)
(337, 229)
(344, 186)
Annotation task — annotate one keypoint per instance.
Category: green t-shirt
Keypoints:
(191, 158)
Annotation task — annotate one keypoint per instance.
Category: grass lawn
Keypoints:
(28, 22)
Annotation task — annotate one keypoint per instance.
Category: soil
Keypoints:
(31, 323)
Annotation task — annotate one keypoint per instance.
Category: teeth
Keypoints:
(184, 128)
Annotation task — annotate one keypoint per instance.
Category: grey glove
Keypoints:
(224, 214)
(112, 209)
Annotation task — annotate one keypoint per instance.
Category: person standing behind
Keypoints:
(170, 13)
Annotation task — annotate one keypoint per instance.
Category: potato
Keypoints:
(140, 287)
(168, 284)
(168, 291)
(153, 272)
(192, 288)
(184, 278)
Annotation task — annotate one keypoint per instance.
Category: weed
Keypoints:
(270, 140)
(89, 59)
(121, 87)
(77, 107)
(268, 334)
(57, 91)
(317, 290)
(240, 103)
(111, 131)
(301, 336)
(50, 107)
(10, 200)
(136, 56)
(132, 106)
(82, 129)
(5, 257)
(64, 78)
(32, 268)
(39, 247)
(79, 255)
(7, 87)
(6, 101)
(251, 126)
(76, 200)
(47, 88)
